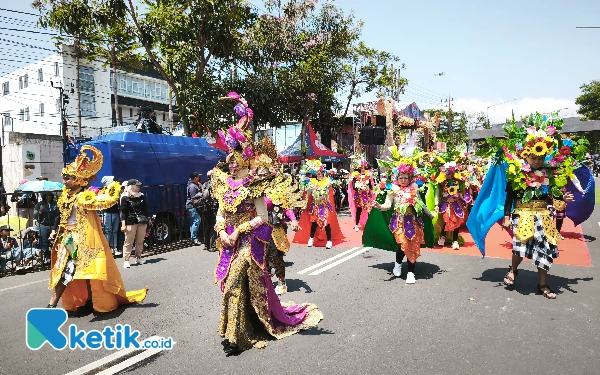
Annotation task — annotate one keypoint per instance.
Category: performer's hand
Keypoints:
(506, 223)
(569, 197)
(294, 225)
(224, 238)
(233, 237)
(256, 222)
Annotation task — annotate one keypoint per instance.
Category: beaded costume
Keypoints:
(247, 289)
(81, 244)
(360, 190)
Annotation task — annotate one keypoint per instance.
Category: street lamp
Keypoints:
(488, 109)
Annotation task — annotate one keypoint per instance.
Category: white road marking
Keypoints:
(18, 286)
(328, 260)
(130, 362)
(112, 358)
(340, 261)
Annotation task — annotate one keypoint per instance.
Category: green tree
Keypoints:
(293, 64)
(189, 42)
(589, 101)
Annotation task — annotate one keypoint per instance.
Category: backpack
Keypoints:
(209, 204)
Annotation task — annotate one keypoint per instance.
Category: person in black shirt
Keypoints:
(134, 220)
(111, 222)
(46, 212)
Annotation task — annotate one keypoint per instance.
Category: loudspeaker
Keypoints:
(380, 121)
(366, 135)
(379, 135)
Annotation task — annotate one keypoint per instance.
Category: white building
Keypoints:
(30, 99)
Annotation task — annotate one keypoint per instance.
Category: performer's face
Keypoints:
(319, 175)
(69, 182)
(535, 161)
(403, 180)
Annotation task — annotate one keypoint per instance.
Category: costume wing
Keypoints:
(581, 209)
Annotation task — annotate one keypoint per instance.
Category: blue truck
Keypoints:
(163, 163)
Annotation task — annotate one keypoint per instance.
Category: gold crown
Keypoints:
(83, 168)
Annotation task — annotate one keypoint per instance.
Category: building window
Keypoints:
(130, 112)
(25, 80)
(135, 86)
(86, 78)
(26, 113)
(41, 109)
(88, 104)
(5, 90)
(123, 84)
(40, 75)
(21, 83)
(158, 91)
(164, 116)
(56, 72)
(58, 106)
(21, 115)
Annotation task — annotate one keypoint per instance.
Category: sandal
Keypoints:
(511, 279)
(545, 291)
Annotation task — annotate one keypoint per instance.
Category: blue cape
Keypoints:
(581, 209)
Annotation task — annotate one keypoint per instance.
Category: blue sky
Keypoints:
(490, 51)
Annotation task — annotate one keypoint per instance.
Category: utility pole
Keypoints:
(64, 131)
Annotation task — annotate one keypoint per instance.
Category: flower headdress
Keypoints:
(83, 169)
(402, 164)
(266, 155)
(358, 161)
(238, 138)
(314, 166)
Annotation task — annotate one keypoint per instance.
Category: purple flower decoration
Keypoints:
(233, 95)
(240, 110)
(248, 153)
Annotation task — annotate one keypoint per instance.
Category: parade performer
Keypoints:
(280, 211)
(360, 190)
(535, 173)
(320, 215)
(453, 195)
(244, 234)
(84, 272)
(406, 222)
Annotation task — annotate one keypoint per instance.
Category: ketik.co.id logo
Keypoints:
(43, 325)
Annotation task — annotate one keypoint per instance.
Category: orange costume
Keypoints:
(81, 247)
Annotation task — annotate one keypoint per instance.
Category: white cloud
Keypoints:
(522, 107)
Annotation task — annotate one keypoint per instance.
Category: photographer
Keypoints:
(134, 220)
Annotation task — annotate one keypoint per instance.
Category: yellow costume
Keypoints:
(93, 258)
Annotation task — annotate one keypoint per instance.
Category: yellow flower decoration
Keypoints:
(539, 149)
(87, 197)
(441, 178)
(452, 190)
(458, 176)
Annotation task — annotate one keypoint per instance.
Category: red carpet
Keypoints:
(573, 249)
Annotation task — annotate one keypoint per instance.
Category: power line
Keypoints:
(19, 12)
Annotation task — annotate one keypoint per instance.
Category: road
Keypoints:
(456, 319)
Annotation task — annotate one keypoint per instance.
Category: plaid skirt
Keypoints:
(68, 272)
(537, 248)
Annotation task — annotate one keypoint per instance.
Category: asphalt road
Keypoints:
(456, 319)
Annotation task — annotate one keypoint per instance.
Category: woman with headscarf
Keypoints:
(134, 220)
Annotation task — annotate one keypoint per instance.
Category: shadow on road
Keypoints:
(294, 285)
(154, 260)
(423, 270)
(589, 238)
(526, 281)
(288, 264)
(98, 317)
(317, 331)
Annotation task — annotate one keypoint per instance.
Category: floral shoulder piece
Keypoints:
(100, 199)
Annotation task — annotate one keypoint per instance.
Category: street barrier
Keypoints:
(168, 228)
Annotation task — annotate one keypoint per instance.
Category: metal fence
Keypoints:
(168, 228)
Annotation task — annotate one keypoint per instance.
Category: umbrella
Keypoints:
(40, 186)
(16, 223)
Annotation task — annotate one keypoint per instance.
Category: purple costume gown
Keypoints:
(251, 312)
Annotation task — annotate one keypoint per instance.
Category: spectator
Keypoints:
(111, 222)
(193, 189)
(209, 216)
(31, 246)
(134, 220)
(9, 248)
(25, 204)
(46, 212)
(4, 207)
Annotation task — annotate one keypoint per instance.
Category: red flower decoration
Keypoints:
(564, 150)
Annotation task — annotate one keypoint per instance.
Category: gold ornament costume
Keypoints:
(80, 243)
(248, 292)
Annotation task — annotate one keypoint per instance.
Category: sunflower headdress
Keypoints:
(83, 169)
(402, 164)
(537, 137)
